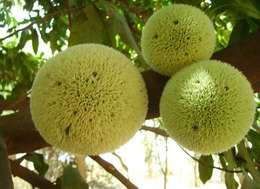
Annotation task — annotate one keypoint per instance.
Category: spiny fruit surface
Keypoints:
(176, 36)
(89, 99)
(208, 107)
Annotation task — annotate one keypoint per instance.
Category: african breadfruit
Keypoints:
(208, 107)
(176, 36)
(88, 99)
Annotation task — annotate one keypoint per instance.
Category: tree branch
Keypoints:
(113, 171)
(163, 133)
(155, 130)
(47, 17)
(219, 168)
(19, 103)
(20, 133)
(34, 179)
(5, 172)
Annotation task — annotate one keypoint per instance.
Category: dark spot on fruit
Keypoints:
(155, 36)
(90, 120)
(195, 127)
(226, 88)
(67, 130)
(200, 39)
(176, 22)
(85, 109)
(188, 38)
(94, 74)
(58, 83)
(75, 112)
(197, 81)
(112, 115)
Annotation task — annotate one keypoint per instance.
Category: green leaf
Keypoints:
(38, 162)
(189, 2)
(72, 179)
(205, 168)
(230, 181)
(35, 40)
(247, 7)
(87, 27)
(249, 165)
(254, 138)
(72, 2)
(240, 31)
(117, 24)
(249, 183)
(25, 36)
(230, 158)
(28, 5)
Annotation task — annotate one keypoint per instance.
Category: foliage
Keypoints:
(71, 179)
(116, 23)
(205, 168)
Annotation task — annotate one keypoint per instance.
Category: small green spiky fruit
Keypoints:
(89, 99)
(176, 36)
(208, 107)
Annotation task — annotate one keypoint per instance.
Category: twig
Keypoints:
(219, 168)
(51, 15)
(34, 179)
(155, 130)
(161, 132)
(5, 172)
(113, 171)
(165, 172)
(121, 162)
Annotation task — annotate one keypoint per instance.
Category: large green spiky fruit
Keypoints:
(176, 36)
(89, 99)
(208, 107)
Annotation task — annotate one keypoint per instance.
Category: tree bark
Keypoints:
(5, 172)
(34, 179)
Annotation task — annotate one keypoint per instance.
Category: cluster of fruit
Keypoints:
(91, 99)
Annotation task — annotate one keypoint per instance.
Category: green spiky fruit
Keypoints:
(176, 36)
(208, 107)
(89, 99)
